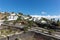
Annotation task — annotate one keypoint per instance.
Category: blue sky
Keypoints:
(32, 7)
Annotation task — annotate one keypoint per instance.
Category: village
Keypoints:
(17, 26)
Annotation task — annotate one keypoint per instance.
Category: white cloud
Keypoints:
(43, 12)
(48, 16)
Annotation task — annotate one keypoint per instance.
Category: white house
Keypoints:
(12, 17)
(36, 18)
(43, 21)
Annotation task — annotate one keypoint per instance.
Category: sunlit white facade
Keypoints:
(12, 17)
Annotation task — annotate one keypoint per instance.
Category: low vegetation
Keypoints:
(50, 24)
(7, 32)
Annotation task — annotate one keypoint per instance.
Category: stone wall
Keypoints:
(4, 38)
(28, 36)
(39, 36)
(23, 36)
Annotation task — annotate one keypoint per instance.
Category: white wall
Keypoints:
(12, 17)
(1, 22)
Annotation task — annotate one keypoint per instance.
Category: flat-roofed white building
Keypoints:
(12, 17)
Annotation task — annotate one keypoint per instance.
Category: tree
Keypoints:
(12, 12)
(16, 39)
(19, 18)
(20, 13)
(29, 16)
(25, 29)
(53, 19)
(6, 13)
(58, 22)
(14, 22)
(44, 19)
(51, 31)
(30, 23)
(6, 19)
